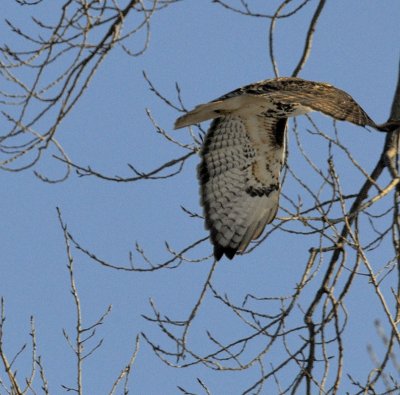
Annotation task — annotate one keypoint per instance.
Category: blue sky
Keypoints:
(208, 51)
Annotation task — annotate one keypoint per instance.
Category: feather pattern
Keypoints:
(239, 178)
(244, 151)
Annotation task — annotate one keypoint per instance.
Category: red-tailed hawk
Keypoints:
(244, 151)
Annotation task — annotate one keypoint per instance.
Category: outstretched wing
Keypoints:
(300, 95)
(318, 96)
(239, 178)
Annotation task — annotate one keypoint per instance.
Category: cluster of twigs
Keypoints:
(339, 228)
(80, 343)
(44, 82)
(340, 256)
(11, 384)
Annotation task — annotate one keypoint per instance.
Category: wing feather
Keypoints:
(317, 96)
(330, 101)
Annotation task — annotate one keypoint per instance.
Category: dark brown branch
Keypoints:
(309, 39)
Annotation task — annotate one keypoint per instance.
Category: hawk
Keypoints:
(244, 151)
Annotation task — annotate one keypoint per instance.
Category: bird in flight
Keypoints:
(244, 151)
